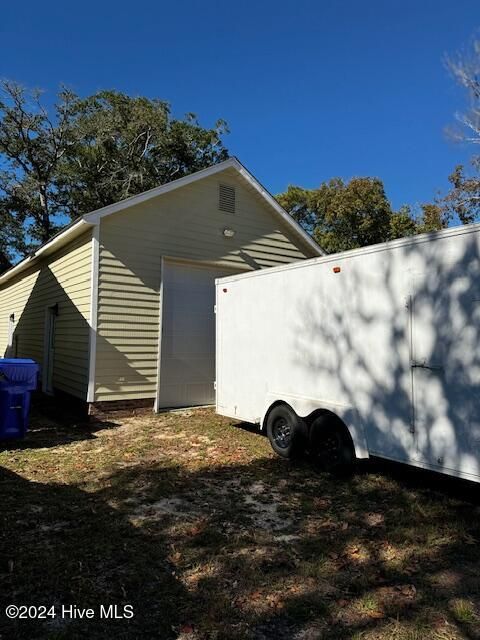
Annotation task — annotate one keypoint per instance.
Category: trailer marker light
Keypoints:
(225, 290)
(336, 269)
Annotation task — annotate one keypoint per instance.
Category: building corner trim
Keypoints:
(93, 320)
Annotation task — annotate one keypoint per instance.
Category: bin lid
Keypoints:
(20, 370)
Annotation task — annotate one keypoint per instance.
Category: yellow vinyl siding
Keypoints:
(186, 224)
(63, 278)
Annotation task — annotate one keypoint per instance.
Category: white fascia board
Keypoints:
(97, 215)
(14, 270)
(232, 162)
(61, 236)
(50, 245)
(94, 217)
(296, 228)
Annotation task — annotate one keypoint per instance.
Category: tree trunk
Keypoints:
(4, 262)
(45, 221)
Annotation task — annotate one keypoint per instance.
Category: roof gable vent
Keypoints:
(226, 198)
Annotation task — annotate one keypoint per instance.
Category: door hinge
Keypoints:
(215, 385)
(215, 308)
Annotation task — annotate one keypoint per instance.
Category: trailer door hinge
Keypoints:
(215, 385)
(215, 308)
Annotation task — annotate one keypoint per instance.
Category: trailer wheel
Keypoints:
(331, 443)
(286, 431)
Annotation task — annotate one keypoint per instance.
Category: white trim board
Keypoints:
(93, 320)
(293, 224)
(64, 236)
(431, 236)
(233, 163)
(93, 218)
(160, 333)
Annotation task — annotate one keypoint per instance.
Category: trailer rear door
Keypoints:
(446, 372)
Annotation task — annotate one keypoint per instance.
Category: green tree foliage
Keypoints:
(402, 223)
(347, 215)
(127, 145)
(31, 146)
(84, 153)
(463, 200)
(432, 218)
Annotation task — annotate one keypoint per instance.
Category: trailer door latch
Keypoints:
(424, 365)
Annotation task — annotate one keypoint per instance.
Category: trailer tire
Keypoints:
(330, 443)
(286, 431)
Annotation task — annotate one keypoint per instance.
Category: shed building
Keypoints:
(119, 307)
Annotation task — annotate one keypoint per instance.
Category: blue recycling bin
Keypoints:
(18, 378)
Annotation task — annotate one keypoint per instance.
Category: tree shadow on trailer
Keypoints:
(363, 330)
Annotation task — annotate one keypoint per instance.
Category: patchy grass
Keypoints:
(463, 611)
(196, 524)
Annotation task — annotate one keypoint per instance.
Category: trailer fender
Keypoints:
(304, 407)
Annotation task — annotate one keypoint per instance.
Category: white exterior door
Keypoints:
(446, 374)
(187, 351)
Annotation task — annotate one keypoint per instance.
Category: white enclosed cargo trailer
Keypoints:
(374, 351)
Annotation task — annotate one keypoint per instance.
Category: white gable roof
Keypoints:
(91, 219)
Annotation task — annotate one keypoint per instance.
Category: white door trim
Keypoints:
(93, 320)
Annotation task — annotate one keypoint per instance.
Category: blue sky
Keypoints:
(310, 90)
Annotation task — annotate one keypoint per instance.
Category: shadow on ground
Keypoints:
(54, 423)
(244, 546)
(50, 434)
(61, 545)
